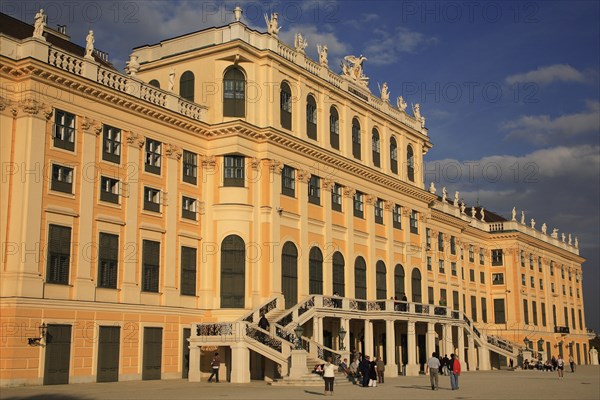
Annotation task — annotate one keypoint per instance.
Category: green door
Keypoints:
(108, 354)
(58, 355)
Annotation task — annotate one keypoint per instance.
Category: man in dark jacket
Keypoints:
(365, 365)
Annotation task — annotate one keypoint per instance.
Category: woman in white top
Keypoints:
(329, 376)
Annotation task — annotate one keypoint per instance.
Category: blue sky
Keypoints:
(511, 88)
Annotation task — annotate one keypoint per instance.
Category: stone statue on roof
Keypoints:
(473, 212)
(563, 237)
(132, 66)
(514, 214)
(576, 242)
(455, 203)
(482, 212)
(417, 114)
(353, 69)
(522, 217)
(401, 104)
(570, 242)
(554, 233)
(432, 187)
(39, 23)
(462, 208)
(444, 194)
(272, 24)
(385, 92)
(532, 223)
(300, 43)
(89, 45)
(323, 55)
(544, 228)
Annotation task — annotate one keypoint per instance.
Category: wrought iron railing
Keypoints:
(214, 329)
(264, 337)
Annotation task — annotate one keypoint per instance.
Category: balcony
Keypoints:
(563, 330)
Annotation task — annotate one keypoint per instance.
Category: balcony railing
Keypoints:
(562, 330)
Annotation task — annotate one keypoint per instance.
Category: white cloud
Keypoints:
(542, 129)
(386, 46)
(548, 74)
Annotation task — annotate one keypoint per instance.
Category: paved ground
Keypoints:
(513, 385)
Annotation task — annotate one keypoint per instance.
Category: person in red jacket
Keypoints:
(454, 369)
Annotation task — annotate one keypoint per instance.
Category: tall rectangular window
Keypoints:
(580, 320)
(481, 256)
(314, 190)
(497, 257)
(151, 199)
(190, 167)
(153, 153)
(471, 253)
(233, 173)
(540, 267)
(532, 281)
(453, 268)
(428, 238)
(440, 242)
(108, 260)
(430, 295)
(111, 144)
(499, 313)
(109, 190)
(336, 197)
(543, 305)
(472, 275)
(566, 315)
(531, 261)
(414, 222)
(59, 254)
(441, 266)
(188, 271)
(452, 245)
(397, 216)
(522, 258)
(429, 267)
(150, 265)
(359, 204)
(474, 308)
(483, 309)
(288, 181)
(482, 277)
(378, 211)
(189, 208)
(498, 279)
(526, 311)
(534, 312)
(541, 284)
(64, 130)
(62, 179)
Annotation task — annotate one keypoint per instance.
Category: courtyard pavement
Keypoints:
(505, 385)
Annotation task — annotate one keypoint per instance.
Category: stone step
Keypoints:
(310, 380)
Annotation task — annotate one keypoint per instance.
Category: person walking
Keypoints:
(454, 369)
(445, 365)
(433, 366)
(373, 373)
(365, 366)
(329, 376)
(560, 366)
(380, 370)
(572, 363)
(215, 364)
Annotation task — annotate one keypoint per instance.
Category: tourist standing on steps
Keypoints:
(263, 323)
(560, 366)
(454, 369)
(433, 366)
(215, 364)
(329, 376)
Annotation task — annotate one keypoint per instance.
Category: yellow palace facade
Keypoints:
(150, 217)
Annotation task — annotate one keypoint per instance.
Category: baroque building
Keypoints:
(151, 217)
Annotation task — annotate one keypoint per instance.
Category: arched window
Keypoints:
(289, 274)
(410, 164)
(356, 138)
(186, 85)
(311, 117)
(416, 285)
(339, 285)
(360, 278)
(334, 128)
(399, 281)
(380, 280)
(234, 93)
(393, 155)
(233, 272)
(376, 148)
(154, 83)
(315, 271)
(285, 105)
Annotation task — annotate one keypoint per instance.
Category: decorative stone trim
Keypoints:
(173, 151)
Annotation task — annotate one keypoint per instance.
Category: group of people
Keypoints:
(363, 370)
(553, 364)
(436, 366)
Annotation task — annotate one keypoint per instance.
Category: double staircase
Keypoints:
(279, 340)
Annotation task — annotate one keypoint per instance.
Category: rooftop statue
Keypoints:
(544, 228)
(576, 242)
(514, 214)
(554, 233)
(417, 114)
(272, 24)
(401, 104)
(237, 13)
(385, 92)
(473, 212)
(455, 203)
(570, 242)
(89, 44)
(132, 66)
(563, 237)
(300, 43)
(323, 55)
(352, 68)
(444, 194)
(462, 208)
(482, 214)
(533, 223)
(40, 21)
(523, 217)
(432, 187)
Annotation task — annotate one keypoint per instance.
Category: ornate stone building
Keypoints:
(149, 218)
